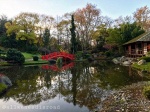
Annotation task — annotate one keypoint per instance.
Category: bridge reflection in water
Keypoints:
(55, 67)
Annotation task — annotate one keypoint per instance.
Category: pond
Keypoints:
(75, 87)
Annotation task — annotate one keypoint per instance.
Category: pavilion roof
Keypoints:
(141, 38)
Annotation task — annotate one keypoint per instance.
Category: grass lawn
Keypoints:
(142, 67)
(28, 60)
(31, 62)
(29, 55)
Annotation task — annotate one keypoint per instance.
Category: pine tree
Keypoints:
(73, 37)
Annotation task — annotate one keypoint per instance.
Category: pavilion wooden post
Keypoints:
(136, 50)
(145, 49)
(129, 49)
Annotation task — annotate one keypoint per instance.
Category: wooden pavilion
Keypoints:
(138, 46)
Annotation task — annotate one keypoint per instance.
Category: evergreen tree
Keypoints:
(73, 37)
(46, 37)
(124, 33)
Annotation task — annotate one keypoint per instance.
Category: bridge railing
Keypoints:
(58, 54)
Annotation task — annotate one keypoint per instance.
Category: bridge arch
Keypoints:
(56, 55)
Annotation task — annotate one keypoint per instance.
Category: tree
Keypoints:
(63, 31)
(122, 20)
(87, 19)
(3, 35)
(73, 36)
(5, 40)
(99, 35)
(46, 38)
(142, 17)
(24, 26)
(106, 21)
(124, 33)
(3, 20)
(45, 22)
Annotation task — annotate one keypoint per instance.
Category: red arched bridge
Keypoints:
(56, 55)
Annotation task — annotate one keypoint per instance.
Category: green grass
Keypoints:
(28, 60)
(31, 62)
(142, 67)
(29, 55)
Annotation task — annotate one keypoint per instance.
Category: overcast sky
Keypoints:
(110, 8)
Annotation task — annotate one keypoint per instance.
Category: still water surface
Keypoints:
(79, 87)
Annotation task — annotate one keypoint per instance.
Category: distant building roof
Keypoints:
(141, 38)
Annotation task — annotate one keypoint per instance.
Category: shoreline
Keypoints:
(128, 98)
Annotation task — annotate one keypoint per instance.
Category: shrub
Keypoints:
(2, 52)
(35, 58)
(146, 92)
(43, 51)
(59, 62)
(85, 56)
(3, 57)
(147, 59)
(2, 87)
(94, 51)
(79, 55)
(109, 53)
(148, 54)
(101, 53)
(82, 55)
(14, 56)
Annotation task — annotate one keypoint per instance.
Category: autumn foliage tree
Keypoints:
(91, 29)
(142, 17)
(87, 19)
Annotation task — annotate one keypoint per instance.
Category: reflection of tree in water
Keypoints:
(77, 86)
(83, 85)
(116, 76)
(84, 88)
(89, 86)
(32, 87)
